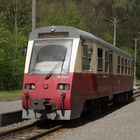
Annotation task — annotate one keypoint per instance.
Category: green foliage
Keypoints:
(87, 15)
(121, 3)
(12, 60)
(138, 71)
(107, 37)
(60, 13)
(8, 12)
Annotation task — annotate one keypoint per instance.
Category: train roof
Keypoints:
(75, 33)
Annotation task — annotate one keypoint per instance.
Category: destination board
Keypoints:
(53, 35)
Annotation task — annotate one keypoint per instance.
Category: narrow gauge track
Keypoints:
(30, 132)
(136, 93)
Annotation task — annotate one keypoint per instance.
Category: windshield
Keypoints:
(51, 56)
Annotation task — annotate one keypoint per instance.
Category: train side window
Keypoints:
(110, 62)
(100, 59)
(118, 64)
(87, 56)
(122, 65)
(125, 66)
(106, 62)
(129, 67)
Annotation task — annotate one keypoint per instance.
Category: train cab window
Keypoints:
(51, 57)
(87, 51)
(125, 66)
(106, 62)
(118, 64)
(122, 65)
(100, 59)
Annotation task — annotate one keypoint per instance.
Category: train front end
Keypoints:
(48, 74)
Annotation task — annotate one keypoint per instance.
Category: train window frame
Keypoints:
(110, 62)
(122, 65)
(129, 67)
(87, 53)
(100, 59)
(64, 63)
(118, 64)
(106, 62)
(125, 66)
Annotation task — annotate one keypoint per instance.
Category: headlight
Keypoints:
(29, 86)
(63, 86)
(32, 86)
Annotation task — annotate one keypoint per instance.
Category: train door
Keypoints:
(86, 78)
(104, 70)
(83, 82)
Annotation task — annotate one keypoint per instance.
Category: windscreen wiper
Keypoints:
(50, 73)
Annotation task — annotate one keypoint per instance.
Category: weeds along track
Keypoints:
(31, 132)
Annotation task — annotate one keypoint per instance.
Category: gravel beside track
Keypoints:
(10, 106)
(121, 124)
(16, 125)
(32, 131)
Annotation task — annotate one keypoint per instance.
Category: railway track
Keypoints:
(37, 130)
(30, 132)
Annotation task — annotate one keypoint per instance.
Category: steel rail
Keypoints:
(29, 132)
(15, 130)
(46, 132)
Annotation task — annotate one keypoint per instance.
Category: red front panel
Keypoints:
(47, 89)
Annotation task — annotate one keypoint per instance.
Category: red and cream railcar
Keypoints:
(67, 68)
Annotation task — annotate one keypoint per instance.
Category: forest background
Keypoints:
(88, 15)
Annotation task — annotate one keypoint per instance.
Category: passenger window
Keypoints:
(87, 56)
(125, 66)
(100, 59)
(122, 65)
(129, 67)
(110, 62)
(118, 64)
(106, 62)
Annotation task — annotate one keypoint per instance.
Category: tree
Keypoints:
(121, 3)
(59, 13)
(11, 59)
(87, 15)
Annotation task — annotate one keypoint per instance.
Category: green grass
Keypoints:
(138, 82)
(10, 95)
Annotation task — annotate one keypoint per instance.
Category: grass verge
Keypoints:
(10, 95)
(138, 82)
